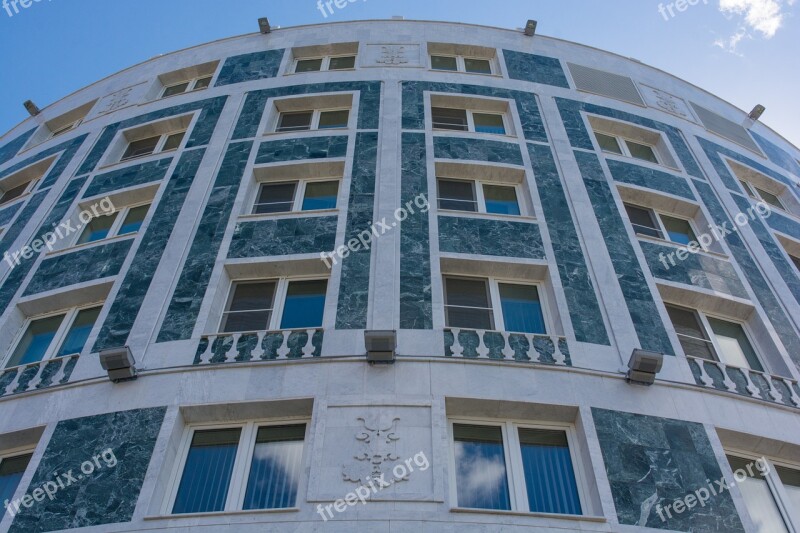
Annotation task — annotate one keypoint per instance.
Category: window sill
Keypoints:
(677, 246)
(473, 134)
(276, 133)
(643, 162)
(87, 245)
(160, 98)
(439, 71)
(291, 214)
(320, 71)
(17, 200)
(572, 517)
(488, 216)
(222, 514)
(780, 210)
(137, 159)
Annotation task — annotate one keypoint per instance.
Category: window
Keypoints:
(64, 129)
(153, 145)
(471, 65)
(796, 261)
(246, 467)
(12, 468)
(770, 198)
(293, 196)
(16, 191)
(253, 305)
(313, 120)
(614, 144)
(445, 118)
(468, 304)
(346, 62)
(196, 84)
(649, 223)
(759, 496)
(54, 336)
(484, 455)
(476, 197)
(713, 339)
(126, 221)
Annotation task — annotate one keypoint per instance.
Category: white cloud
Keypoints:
(760, 16)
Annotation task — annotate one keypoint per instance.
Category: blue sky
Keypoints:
(745, 51)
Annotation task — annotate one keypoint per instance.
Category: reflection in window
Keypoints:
(481, 479)
(11, 472)
(275, 469)
(758, 497)
(549, 474)
(522, 309)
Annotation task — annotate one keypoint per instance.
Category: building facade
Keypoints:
(523, 212)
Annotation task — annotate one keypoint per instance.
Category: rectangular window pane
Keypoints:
(444, 63)
(758, 497)
(467, 304)
(304, 305)
(79, 332)
(63, 129)
(691, 333)
(643, 221)
(97, 229)
(11, 472)
(791, 484)
(457, 195)
(275, 198)
(309, 65)
(203, 83)
(334, 119)
(276, 467)
(300, 121)
(250, 307)
(501, 200)
(173, 141)
(207, 473)
(36, 340)
(770, 198)
(14, 193)
(342, 63)
(481, 478)
(178, 88)
(320, 195)
(522, 309)
(679, 230)
(735, 348)
(642, 151)
(478, 66)
(141, 148)
(549, 474)
(608, 143)
(445, 118)
(134, 220)
(796, 261)
(747, 188)
(489, 123)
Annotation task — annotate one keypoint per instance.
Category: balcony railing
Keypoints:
(39, 375)
(744, 381)
(501, 345)
(259, 346)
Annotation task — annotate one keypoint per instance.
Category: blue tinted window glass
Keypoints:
(549, 475)
(97, 229)
(522, 309)
(134, 220)
(275, 470)
(481, 479)
(79, 332)
(304, 305)
(207, 473)
(501, 200)
(320, 195)
(11, 471)
(36, 340)
(678, 229)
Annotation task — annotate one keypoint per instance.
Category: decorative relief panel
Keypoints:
(392, 55)
(118, 100)
(377, 451)
(667, 102)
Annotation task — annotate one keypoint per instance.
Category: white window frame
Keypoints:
(120, 216)
(471, 121)
(461, 65)
(497, 304)
(299, 195)
(623, 144)
(757, 196)
(159, 149)
(480, 198)
(315, 117)
(775, 485)
(278, 303)
(326, 63)
(65, 129)
(663, 228)
(241, 464)
(192, 87)
(28, 191)
(515, 472)
(61, 333)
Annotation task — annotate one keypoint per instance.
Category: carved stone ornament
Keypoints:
(393, 55)
(376, 454)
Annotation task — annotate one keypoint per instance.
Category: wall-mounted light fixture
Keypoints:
(757, 111)
(263, 25)
(381, 347)
(643, 367)
(119, 363)
(530, 28)
(32, 108)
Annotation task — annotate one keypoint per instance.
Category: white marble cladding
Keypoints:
(408, 399)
